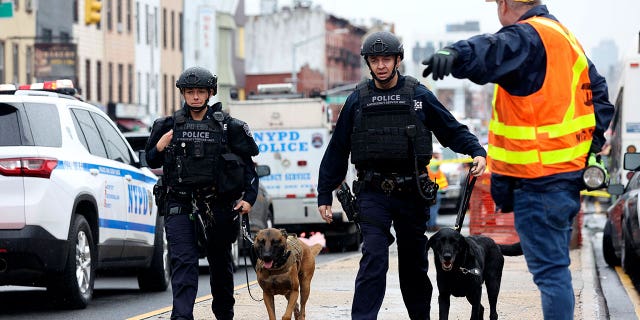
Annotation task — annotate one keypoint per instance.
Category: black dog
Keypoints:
(463, 263)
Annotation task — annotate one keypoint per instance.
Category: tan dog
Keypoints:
(285, 267)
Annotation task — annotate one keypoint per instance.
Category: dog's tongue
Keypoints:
(268, 265)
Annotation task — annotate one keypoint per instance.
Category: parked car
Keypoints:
(75, 200)
(621, 236)
(260, 217)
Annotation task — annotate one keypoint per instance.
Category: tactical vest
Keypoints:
(192, 160)
(387, 132)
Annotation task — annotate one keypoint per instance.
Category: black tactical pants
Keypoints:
(409, 218)
(184, 254)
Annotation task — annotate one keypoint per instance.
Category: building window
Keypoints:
(129, 16)
(148, 91)
(146, 29)
(2, 80)
(47, 35)
(29, 64)
(139, 87)
(154, 25)
(99, 81)
(164, 28)
(173, 31)
(173, 93)
(87, 79)
(16, 63)
(120, 81)
(75, 11)
(137, 22)
(180, 26)
(119, 14)
(130, 82)
(165, 96)
(65, 37)
(109, 11)
(110, 82)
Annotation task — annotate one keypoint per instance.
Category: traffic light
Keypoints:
(92, 11)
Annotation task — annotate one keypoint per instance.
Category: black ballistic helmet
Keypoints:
(197, 77)
(382, 43)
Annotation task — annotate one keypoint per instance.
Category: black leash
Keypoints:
(463, 204)
(248, 243)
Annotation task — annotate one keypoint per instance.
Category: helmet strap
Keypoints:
(211, 91)
(196, 109)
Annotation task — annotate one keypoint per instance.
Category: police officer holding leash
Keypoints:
(207, 166)
(386, 126)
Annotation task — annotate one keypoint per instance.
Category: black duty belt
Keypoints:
(179, 194)
(179, 210)
(390, 183)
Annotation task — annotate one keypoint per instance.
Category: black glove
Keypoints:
(440, 63)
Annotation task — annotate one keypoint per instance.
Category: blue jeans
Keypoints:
(543, 221)
(433, 211)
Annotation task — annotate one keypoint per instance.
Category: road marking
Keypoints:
(200, 299)
(627, 284)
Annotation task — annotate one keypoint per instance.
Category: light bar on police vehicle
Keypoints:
(64, 86)
(7, 88)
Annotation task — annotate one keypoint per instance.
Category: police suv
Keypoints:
(74, 197)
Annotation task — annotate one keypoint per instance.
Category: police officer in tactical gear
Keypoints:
(207, 166)
(386, 126)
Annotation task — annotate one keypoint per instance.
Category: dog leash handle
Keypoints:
(467, 189)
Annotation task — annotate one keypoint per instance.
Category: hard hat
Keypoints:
(436, 149)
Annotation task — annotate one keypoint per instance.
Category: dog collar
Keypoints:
(474, 271)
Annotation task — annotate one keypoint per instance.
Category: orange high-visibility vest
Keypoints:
(438, 177)
(548, 131)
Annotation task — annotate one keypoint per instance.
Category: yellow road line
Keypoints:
(628, 286)
(200, 299)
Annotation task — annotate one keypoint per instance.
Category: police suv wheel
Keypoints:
(158, 276)
(630, 261)
(75, 286)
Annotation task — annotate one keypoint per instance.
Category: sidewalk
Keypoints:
(332, 292)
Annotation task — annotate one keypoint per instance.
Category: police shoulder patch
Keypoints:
(245, 126)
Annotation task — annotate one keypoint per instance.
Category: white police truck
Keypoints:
(75, 198)
(292, 135)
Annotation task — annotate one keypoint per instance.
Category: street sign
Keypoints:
(6, 9)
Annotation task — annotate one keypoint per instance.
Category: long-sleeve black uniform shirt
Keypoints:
(449, 132)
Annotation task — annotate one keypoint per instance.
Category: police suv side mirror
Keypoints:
(615, 189)
(263, 170)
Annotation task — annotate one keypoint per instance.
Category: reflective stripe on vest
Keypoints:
(528, 137)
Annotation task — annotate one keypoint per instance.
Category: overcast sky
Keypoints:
(591, 21)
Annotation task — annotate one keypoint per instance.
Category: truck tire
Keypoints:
(74, 287)
(158, 276)
(608, 251)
